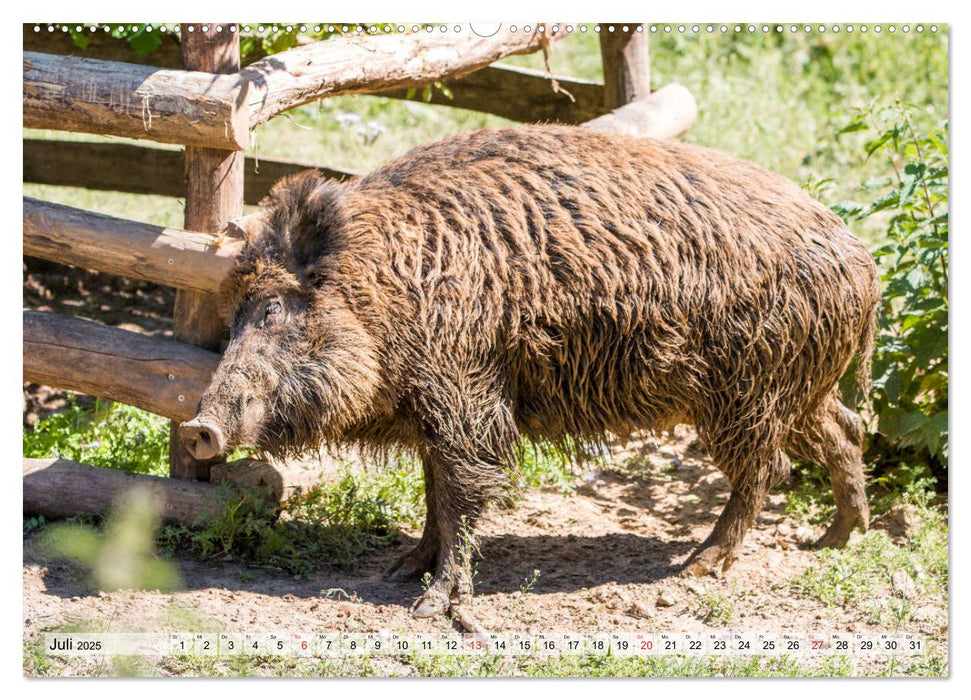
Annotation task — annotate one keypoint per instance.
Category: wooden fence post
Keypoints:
(213, 196)
(627, 68)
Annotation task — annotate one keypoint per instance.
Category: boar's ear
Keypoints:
(313, 236)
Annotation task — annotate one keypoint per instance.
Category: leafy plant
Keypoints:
(910, 366)
(109, 435)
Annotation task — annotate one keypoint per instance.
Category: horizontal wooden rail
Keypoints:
(122, 167)
(519, 94)
(217, 111)
(181, 259)
(124, 99)
(163, 376)
(515, 93)
(366, 64)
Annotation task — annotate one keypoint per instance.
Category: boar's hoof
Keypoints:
(433, 602)
(202, 439)
(838, 533)
(413, 564)
(705, 561)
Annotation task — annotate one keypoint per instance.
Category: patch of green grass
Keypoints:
(109, 435)
(858, 576)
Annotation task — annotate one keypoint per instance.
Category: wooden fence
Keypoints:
(199, 96)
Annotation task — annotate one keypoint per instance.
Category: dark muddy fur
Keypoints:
(554, 283)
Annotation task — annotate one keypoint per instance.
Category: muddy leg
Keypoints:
(832, 437)
(749, 489)
(422, 558)
(458, 501)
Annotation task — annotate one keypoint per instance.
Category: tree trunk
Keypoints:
(627, 75)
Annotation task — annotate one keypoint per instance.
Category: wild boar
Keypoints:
(554, 284)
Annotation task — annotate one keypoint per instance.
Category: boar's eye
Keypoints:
(272, 308)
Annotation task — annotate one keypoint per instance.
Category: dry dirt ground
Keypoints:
(607, 556)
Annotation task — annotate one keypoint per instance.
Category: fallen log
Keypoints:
(181, 259)
(122, 167)
(163, 376)
(142, 102)
(366, 64)
(278, 481)
(61, 488)
(663, 114)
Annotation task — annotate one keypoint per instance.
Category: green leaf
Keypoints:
(887, 201)
(858, 125)
(914, 420)
(912, 176)
(80, 39)
(144, 42)
(872, 146)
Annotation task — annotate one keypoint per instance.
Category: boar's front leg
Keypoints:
(423, 557)
(469, 434)
(458, 501)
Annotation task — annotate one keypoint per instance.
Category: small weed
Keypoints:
(713, 607)
(122, 555)
(544, 466)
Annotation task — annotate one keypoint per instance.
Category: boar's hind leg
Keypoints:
(832, 437)
(750, 486)
(422, 558)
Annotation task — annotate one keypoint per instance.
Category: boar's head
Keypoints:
(299, 367)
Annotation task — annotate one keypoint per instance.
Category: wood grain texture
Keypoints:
(370, 64)
(61, 488)
(627, 69)
(515, 93)
(124, 99)
(181, 259)
(161, 375)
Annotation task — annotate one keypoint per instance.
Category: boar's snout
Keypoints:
(203, 439)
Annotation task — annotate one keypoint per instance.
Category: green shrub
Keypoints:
(109, 435)
(910, 366)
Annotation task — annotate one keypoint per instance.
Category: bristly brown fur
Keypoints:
(556, 283)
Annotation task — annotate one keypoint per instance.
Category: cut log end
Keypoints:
(664, 114)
